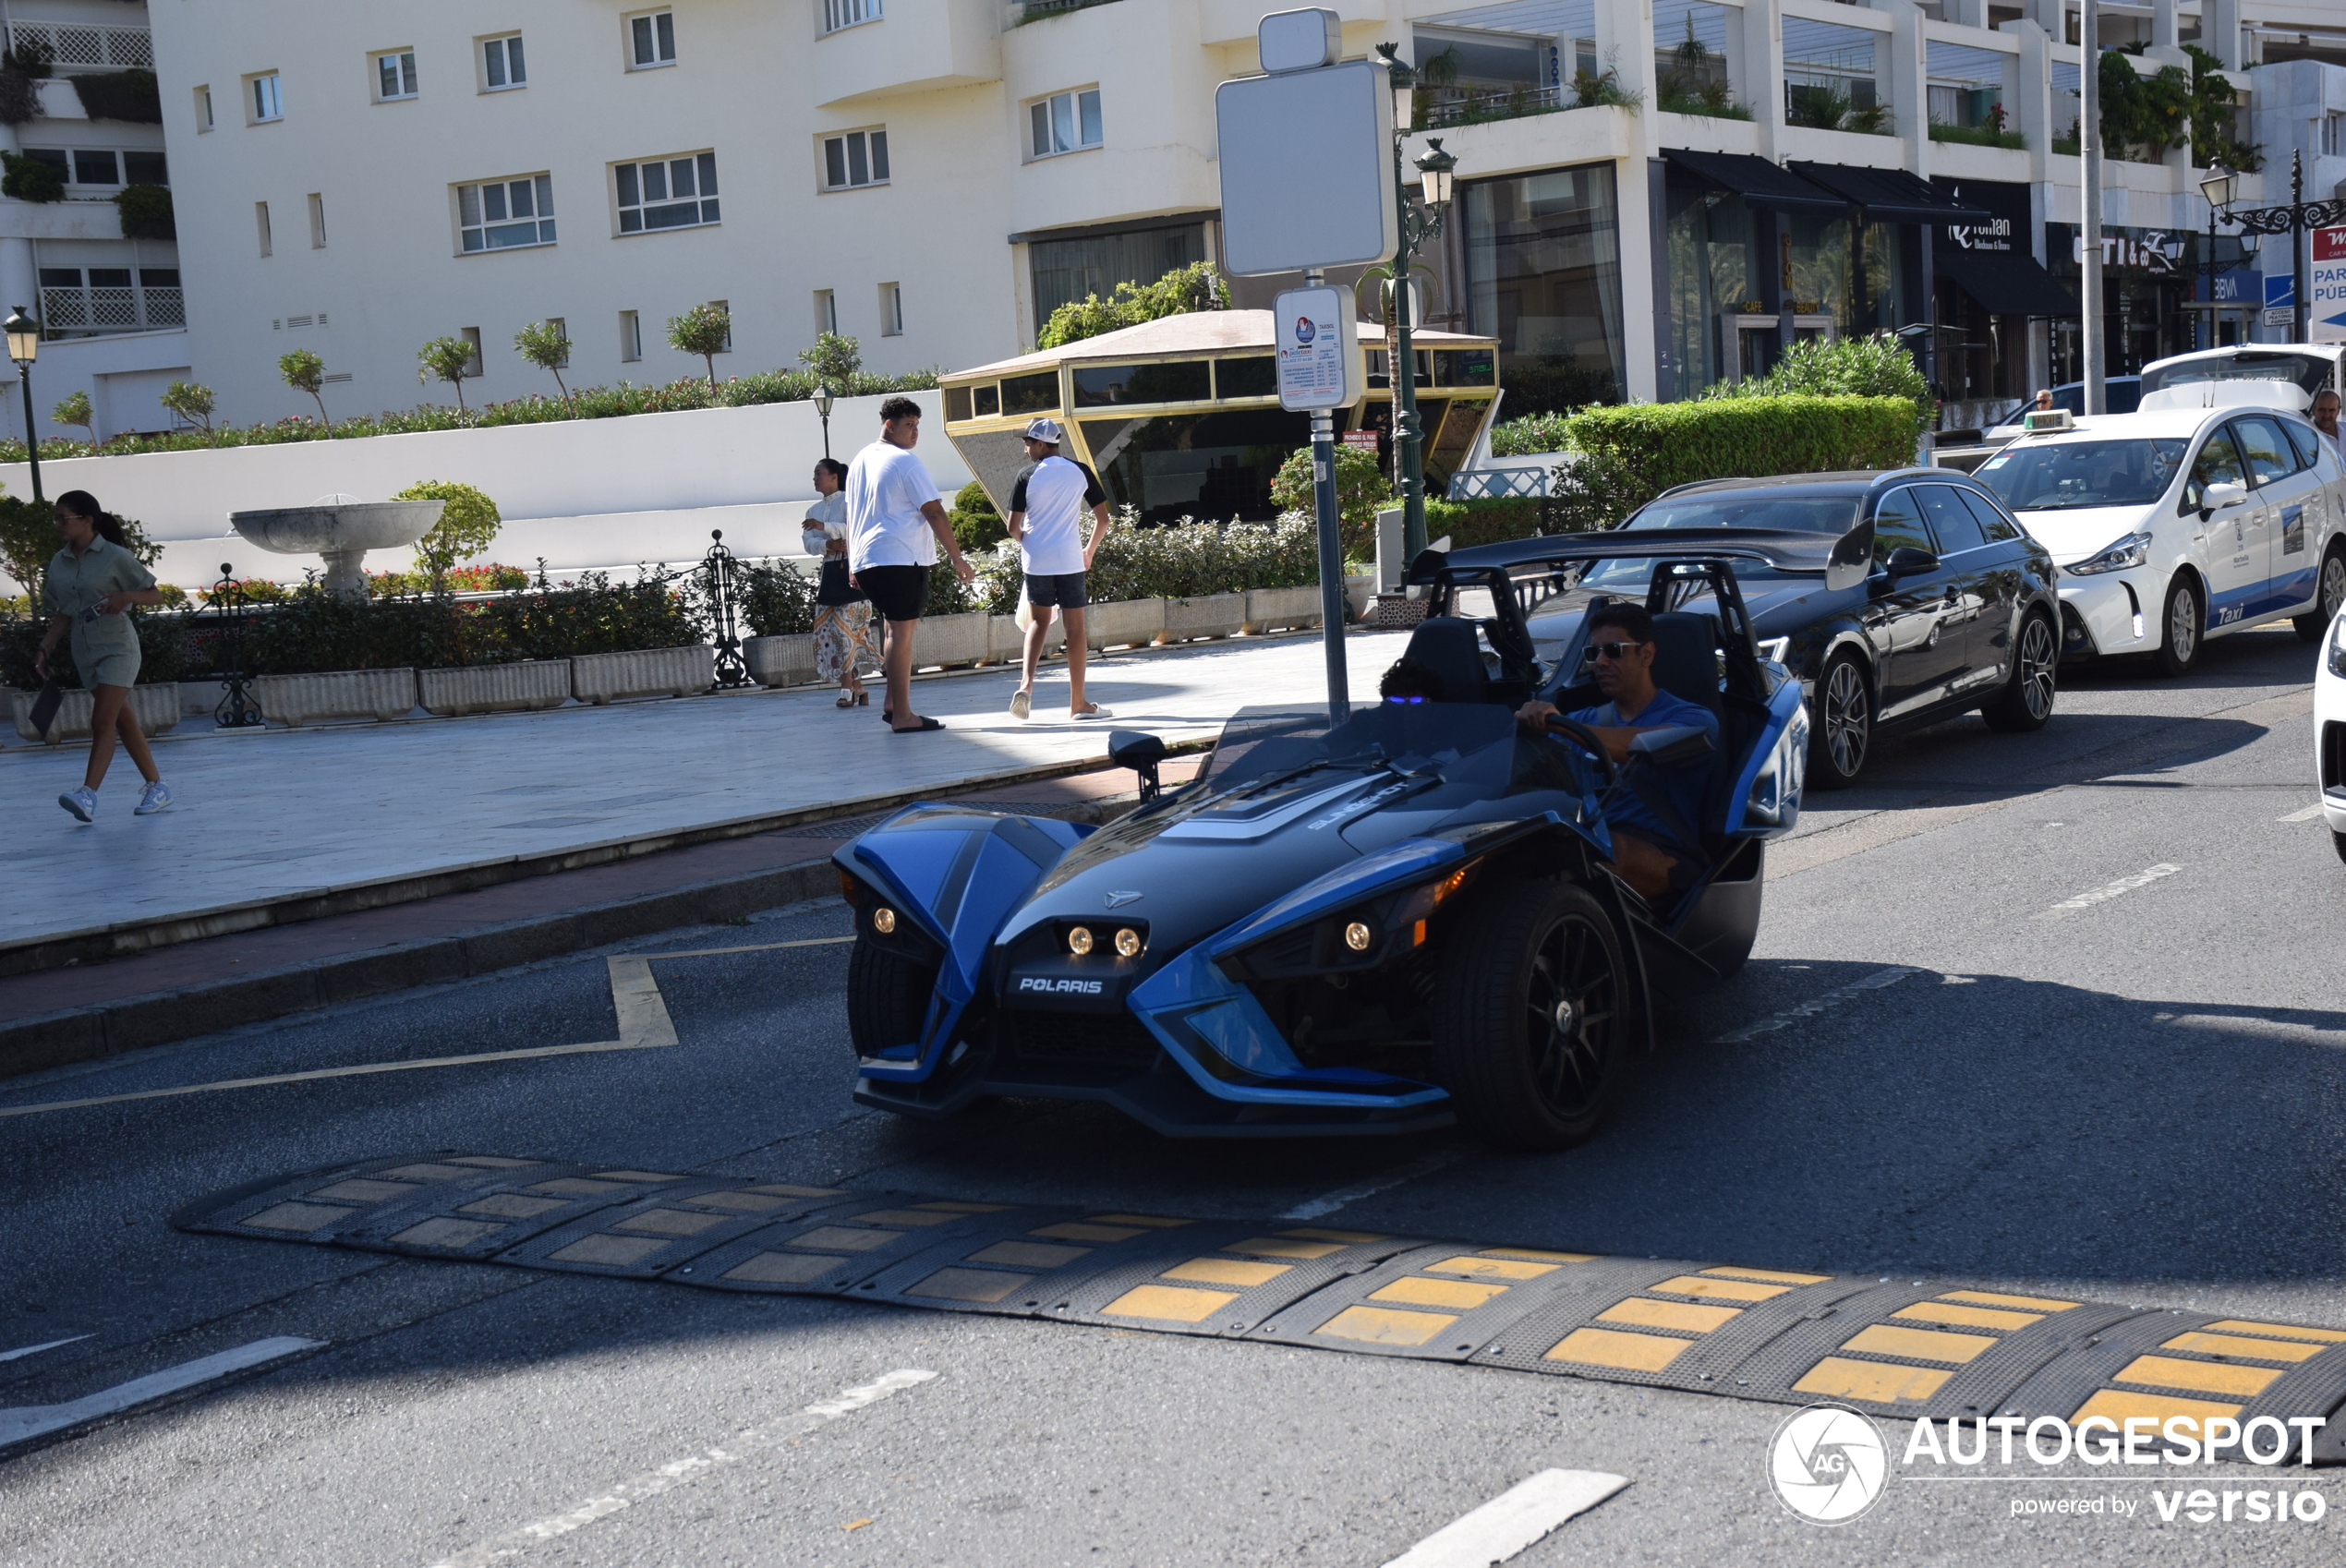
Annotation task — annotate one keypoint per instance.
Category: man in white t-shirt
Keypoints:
(1047, 519)
(894, 523)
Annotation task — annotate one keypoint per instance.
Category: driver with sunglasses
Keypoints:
(1654, 818)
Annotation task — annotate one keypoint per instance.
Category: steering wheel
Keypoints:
(1586, 739)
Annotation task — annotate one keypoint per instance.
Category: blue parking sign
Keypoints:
(2281, 291)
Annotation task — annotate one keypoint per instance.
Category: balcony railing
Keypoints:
(93, 312)
(1469, 106)
(87, 46)
(1018, 13)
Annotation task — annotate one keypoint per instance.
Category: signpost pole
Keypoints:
(2089, 217)
(1324, 503)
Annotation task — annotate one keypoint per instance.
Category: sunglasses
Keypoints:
(1413, 701)
(1614, 651)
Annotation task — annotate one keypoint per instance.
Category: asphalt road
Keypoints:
(2136, 1098)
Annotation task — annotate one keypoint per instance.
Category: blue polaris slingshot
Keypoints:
(1388, 925)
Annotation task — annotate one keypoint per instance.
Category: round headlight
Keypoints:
(1079, 940)
(883, 920)
(1358, 937)
(1128, 943)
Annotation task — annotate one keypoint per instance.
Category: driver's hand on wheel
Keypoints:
(1534, 714)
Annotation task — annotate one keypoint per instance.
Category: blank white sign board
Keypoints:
(1307, 170)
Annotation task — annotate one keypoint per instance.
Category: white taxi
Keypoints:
(2329, 731)
(2176, 525)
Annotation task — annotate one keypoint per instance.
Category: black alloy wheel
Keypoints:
(2329, 597)
(1538, 1015)
(2184, 623)
(2027, 700)
(1842, 733)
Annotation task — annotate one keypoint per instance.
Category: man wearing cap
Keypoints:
(1047, 511)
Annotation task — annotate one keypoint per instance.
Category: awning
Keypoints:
(1760, 183)
(2005, 283)
(1891, 194)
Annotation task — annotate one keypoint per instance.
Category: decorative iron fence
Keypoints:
(1492, 484)
(88, 311)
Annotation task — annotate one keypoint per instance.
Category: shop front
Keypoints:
(2147, 285)
(1993, 305)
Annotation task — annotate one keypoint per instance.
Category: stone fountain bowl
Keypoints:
(342, 531)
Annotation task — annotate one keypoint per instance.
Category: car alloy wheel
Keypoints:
(1570, 1011)
(2027, 700)
(2328, 597)
(2183, 622)
(1844, 726)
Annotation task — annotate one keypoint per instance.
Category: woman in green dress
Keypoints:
(89, 587)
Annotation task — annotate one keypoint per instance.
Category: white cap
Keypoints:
(1046, 430)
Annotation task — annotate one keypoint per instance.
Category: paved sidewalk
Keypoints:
(275, 815)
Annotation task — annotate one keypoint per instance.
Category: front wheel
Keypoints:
(2184, 621)
(1844, 731)
(2330, 596)
(2027, 700)
(1538, 1017)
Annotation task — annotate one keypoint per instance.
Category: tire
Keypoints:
(1843, 736)
(2182, 625)
(2330, 596)
(1518, 1079)
(887, 997)
(2027, 700)
(2338, 842)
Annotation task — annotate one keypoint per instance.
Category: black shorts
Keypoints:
(897, 591)
(1062, 590)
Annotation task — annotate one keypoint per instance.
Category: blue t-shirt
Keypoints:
(1681, 786)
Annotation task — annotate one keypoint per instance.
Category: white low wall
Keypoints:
(583, 493)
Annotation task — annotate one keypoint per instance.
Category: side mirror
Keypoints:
(1669, 747)
(1140, 752)
(1908, 562)
(1852, 559)
(2219, 495)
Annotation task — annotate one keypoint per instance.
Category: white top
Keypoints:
(826, 521)
(1054, 493)
(886, 487)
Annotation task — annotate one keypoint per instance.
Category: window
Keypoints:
(101, 166)
(501, 214)
(145, 168)
(560, 329)
(1953, 523)
(500, 64)
(891, 303)
(2331, 135)
(316, 221)
(631, 336)
(859, 158)
(260, 216)
(1066, 122)
(825, 311)
(667, 193)
(838, 14)
(203, 109)
(96, 167)
(267, 100)
(472, 339)
(395, 76)
(651, 40)
(725, 306)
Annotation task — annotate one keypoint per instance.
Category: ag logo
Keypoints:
(1828, 1464)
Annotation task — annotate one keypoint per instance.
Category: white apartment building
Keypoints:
(932, 176)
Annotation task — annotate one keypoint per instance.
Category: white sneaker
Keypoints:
(1022, 703)
(156, 796)
(1091, 715)
(83, 802)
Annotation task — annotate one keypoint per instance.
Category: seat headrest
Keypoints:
(1686, 657)
(1445, 644)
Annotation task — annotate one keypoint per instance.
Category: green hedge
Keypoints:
(1631, 453)
(1489, 522)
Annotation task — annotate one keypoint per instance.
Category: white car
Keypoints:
(2329, 731)
(2176, 525)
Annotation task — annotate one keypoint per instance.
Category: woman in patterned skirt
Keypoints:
(842, 615)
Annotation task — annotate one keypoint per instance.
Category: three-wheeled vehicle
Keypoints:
(1383, 926)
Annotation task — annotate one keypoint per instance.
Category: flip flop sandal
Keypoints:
(922, 727)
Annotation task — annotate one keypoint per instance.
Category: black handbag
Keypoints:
(834, 589)
(45, 705)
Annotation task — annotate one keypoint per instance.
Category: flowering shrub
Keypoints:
(1187, 559)
(492, 577)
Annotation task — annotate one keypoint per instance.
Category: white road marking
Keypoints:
(2306, 815)
(1523, 1513)
(1816, 1004)
(681, 1472)
(644, 1025)
(2107, 891)
(1328, 1204)
(35, 1421)
(37, 1349)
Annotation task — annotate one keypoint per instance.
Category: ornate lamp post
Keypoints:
(24, 347)
(2293, 221)
(1420, 227)
(2219, 189)
(823, 408)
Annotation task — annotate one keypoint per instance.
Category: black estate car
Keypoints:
(1959, 611)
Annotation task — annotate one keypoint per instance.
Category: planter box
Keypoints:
(295, 700)
(1281, 608)
(646, 673)
(787, 660)
(1215, 615)
(1005, 644)
(945, 641)
(1357, 592)
(156, 705)
(1123, 623)
(495, 688)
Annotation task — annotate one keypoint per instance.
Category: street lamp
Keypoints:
(1418, 226)
(24, 347)
(823, 408)
(2219, 189)
(2293, 221)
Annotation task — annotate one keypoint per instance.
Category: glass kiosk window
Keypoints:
(1032, 395)
(1100, 385)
